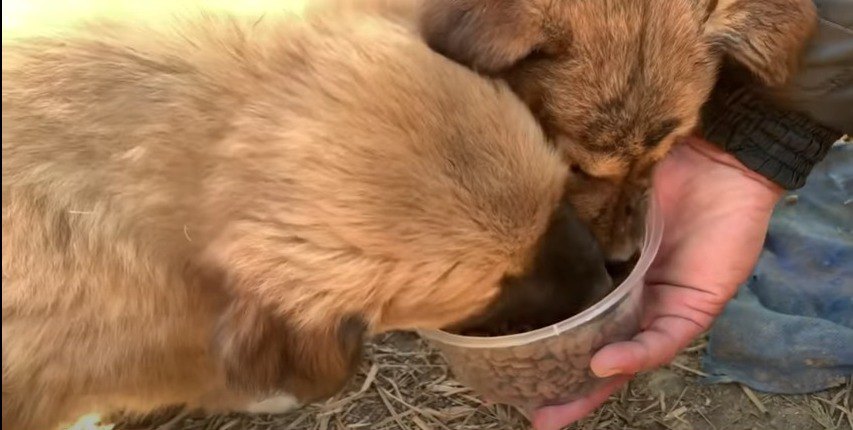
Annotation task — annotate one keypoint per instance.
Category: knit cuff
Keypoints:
(781, 145)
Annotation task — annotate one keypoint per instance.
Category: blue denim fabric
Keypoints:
(790, 328)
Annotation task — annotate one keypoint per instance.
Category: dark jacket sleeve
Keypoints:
(783, 134)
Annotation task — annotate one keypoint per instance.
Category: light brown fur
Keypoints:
(616, 82)
(219, 209)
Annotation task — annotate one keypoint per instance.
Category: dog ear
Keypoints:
(488, 36)
(265, 346)
(265, 355)
(765, 36)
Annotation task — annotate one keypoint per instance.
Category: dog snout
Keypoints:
(569, 265)
(628, 225)
(569, 252)
(567, 275)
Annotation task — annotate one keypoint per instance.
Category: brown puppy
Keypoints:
(217, 210)
(616, 82)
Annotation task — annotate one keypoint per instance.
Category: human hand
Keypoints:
(716, 214)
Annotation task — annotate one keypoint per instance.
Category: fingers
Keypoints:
(655, 346)
(557, 417)
(658, 344)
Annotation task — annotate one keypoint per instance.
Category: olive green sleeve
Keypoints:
(784, 133)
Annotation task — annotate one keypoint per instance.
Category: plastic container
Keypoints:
(550, 365)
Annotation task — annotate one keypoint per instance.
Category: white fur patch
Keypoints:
(274, 405)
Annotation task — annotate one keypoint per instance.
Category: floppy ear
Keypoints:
(264, 346)
(487, 35)
(765, 36)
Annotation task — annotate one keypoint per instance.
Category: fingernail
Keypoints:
(608, 372)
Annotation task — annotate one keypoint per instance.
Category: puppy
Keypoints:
(616, 82)
(215, 211)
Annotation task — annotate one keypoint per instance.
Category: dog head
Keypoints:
(615, 83)
(375, 185)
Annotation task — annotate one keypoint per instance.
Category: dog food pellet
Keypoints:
(550, 371)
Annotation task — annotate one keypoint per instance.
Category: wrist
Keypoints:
(715, 154)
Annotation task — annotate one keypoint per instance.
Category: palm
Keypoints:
(715, 218)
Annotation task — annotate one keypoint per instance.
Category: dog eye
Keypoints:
(578, 171)
(536, 54)
(659, 133)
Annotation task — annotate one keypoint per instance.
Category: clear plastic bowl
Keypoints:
(550, 365)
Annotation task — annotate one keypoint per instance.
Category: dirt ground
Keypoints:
(405, 384)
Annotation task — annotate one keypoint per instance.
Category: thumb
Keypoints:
(655, 346)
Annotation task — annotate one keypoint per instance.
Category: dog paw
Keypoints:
(274, 405)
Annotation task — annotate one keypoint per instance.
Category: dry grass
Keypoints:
(405, 385)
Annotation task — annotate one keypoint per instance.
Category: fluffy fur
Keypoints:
(216, 210)
(616, 82)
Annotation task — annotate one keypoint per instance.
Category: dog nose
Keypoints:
(570, 256)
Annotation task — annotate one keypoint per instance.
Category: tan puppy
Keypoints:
(217, 210)
(616, 82)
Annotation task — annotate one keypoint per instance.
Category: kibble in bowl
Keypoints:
(550, 365)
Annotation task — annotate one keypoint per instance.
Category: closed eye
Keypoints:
(608, 170)
(660, 132)
(578, 171)
(536, 54)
